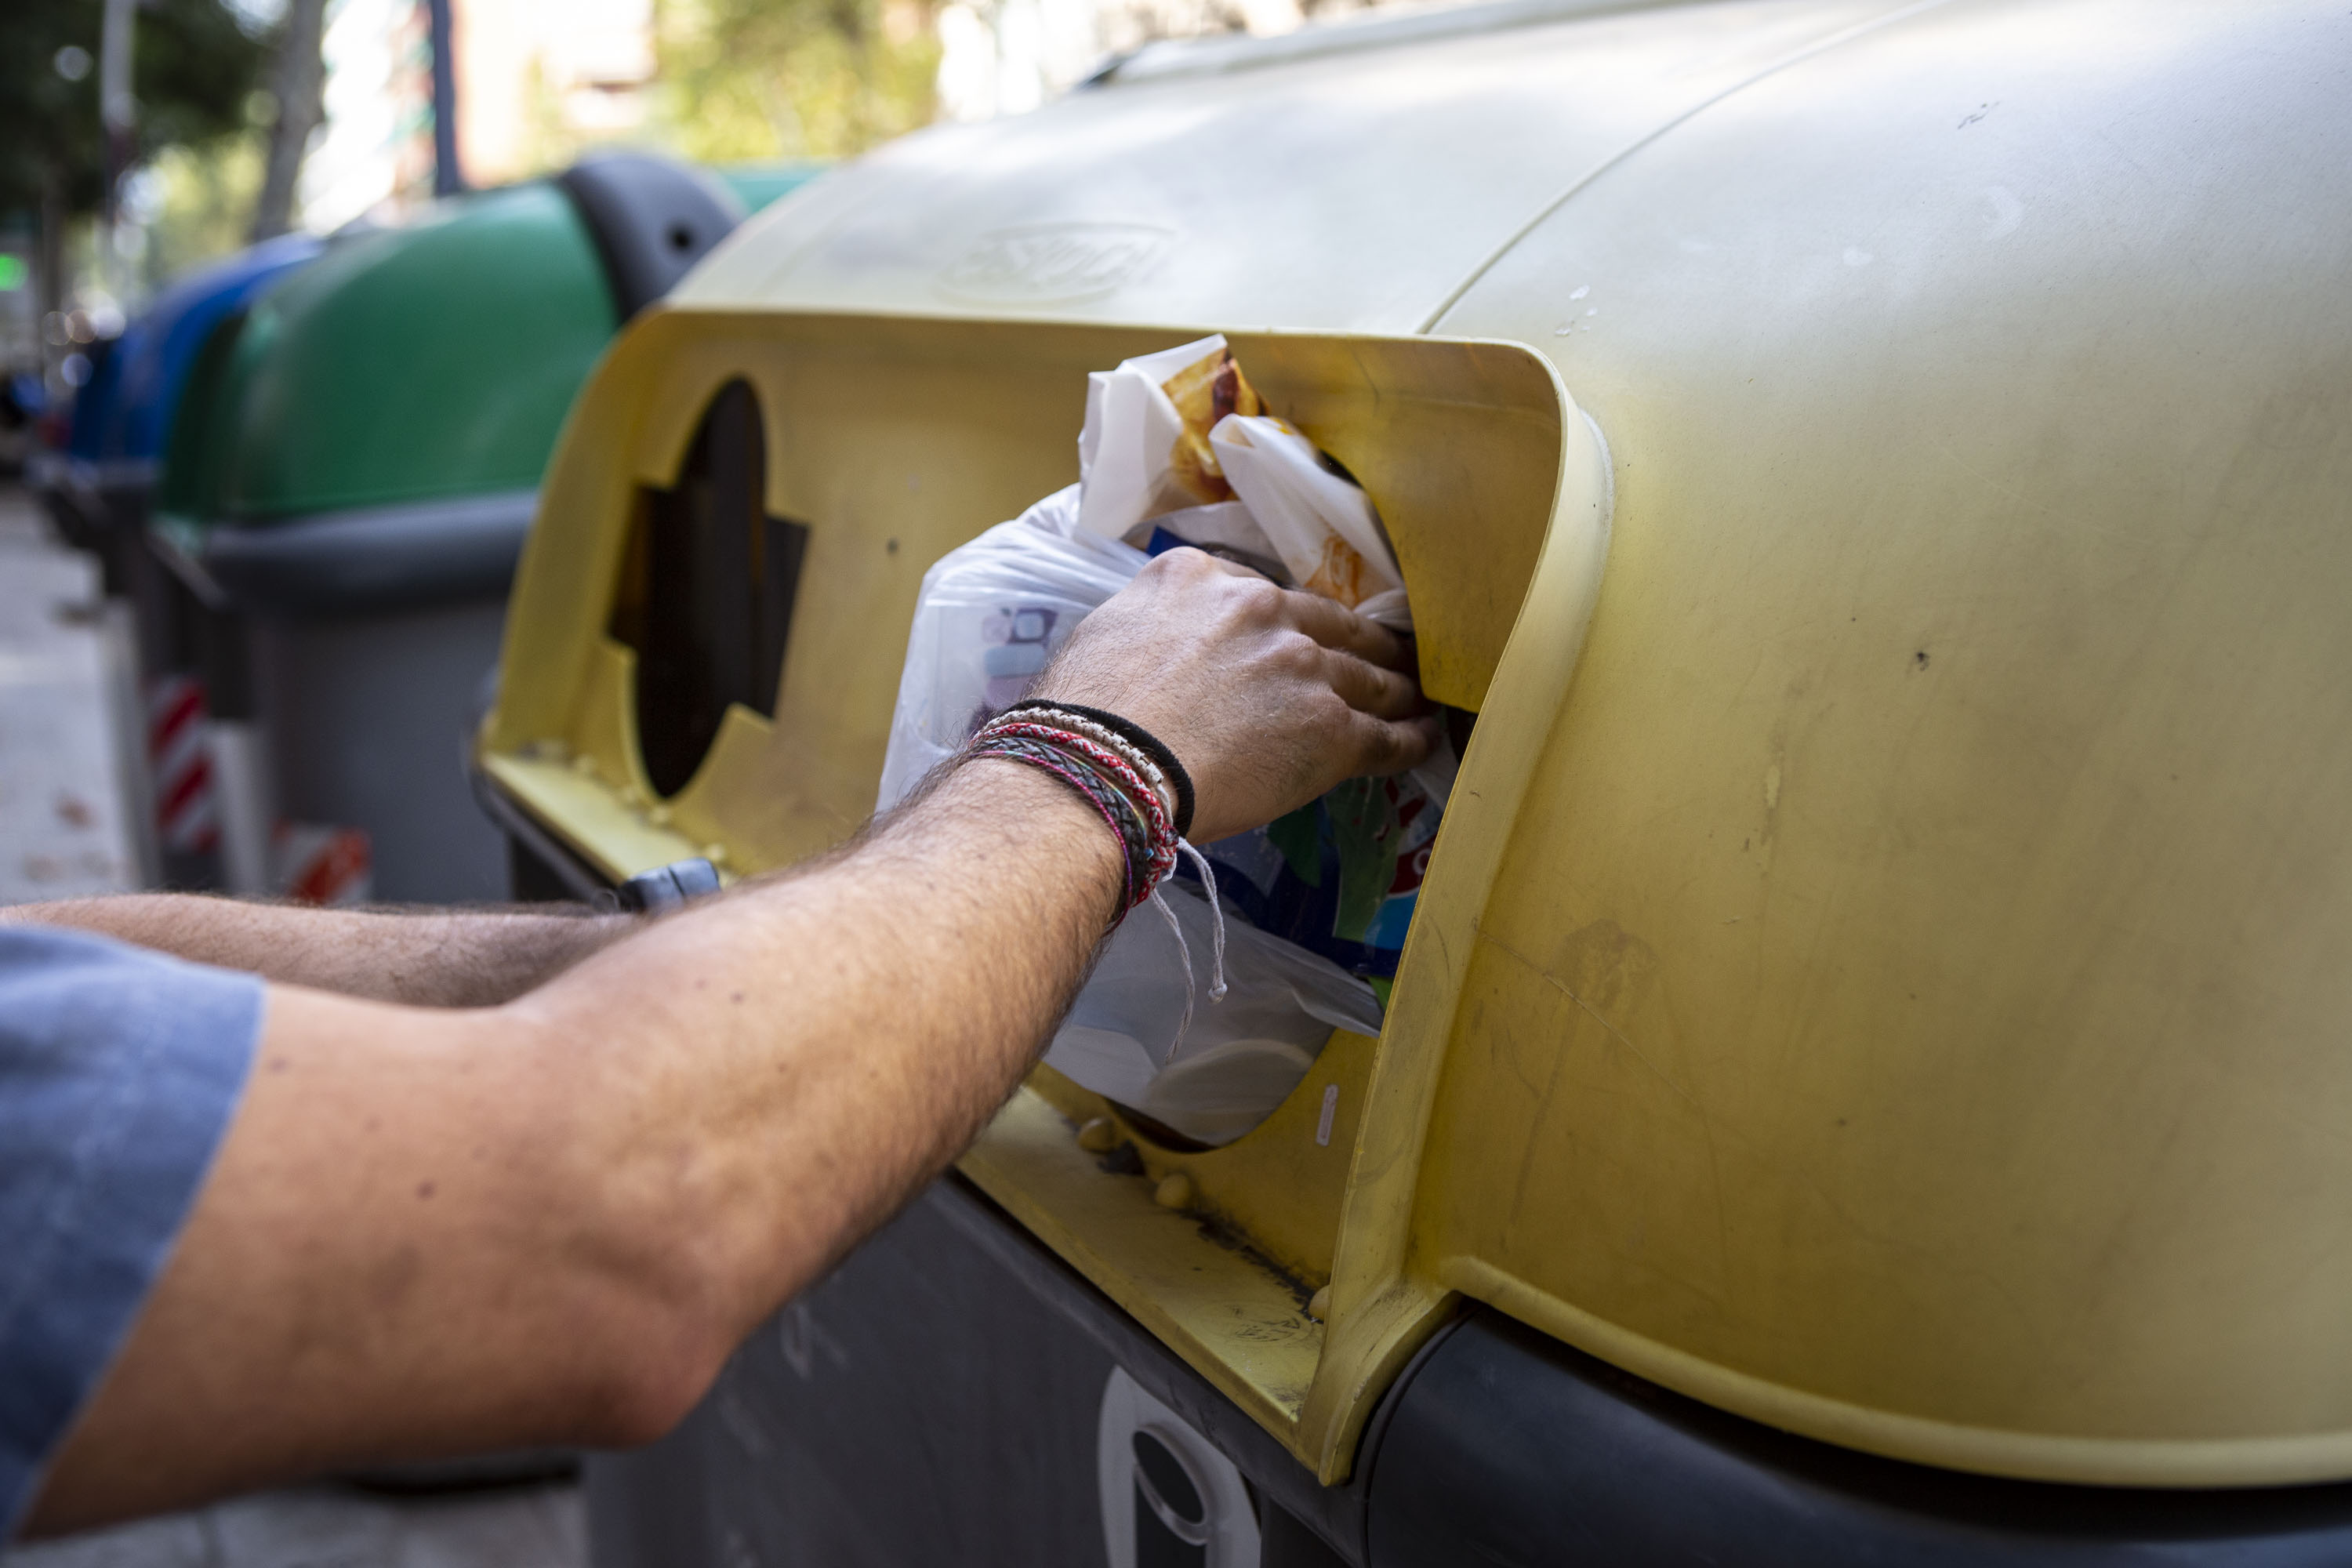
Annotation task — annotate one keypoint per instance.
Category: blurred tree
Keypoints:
(192, 66)
(297, 87)
(747, 80)
(200, 202)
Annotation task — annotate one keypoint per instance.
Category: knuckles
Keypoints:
(1231, 600)
(1258, 598)
(1295, 653)
(1176, 566)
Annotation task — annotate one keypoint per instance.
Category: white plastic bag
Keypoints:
(1320, 523)
(1238, 1058)
(991, 613)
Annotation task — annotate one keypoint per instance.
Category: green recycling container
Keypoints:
(347, 487)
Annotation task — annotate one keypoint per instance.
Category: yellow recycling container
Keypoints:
(1882, 476)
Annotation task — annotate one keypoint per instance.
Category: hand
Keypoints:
(1269, 697)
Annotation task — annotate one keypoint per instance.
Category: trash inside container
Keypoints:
(1857, 1084)
(351, 480)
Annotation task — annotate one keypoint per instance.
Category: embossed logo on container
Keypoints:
(1053, 262)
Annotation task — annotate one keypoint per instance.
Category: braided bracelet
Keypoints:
(1133, 813)
(1136, 830)
(1134, 758)
(1135, 735)
(1122, 780)
(1132, 782)
(1103, 799)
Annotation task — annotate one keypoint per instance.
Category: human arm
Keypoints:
(425, 958)
(435, 1231)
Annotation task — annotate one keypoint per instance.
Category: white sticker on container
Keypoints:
(1330, 1108)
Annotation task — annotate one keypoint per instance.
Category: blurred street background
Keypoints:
(197, 126)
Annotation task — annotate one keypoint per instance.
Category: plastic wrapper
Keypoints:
(1315, 517)
(1179, 449)
(1239, 1057)
(1145, 449)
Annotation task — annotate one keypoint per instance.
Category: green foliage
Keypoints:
(207, 195)
(192, 67)
(753, 79)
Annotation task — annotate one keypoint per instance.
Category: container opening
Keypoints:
(707, 580)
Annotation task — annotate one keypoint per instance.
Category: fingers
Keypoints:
(1273, 639)
(1368, 689)
(1337, 627)
(1391, 746)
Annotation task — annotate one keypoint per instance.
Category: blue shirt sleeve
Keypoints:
(118, 1071)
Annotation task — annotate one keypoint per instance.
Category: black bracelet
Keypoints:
(1143, 739)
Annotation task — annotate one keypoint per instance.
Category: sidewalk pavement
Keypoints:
(331, 1527)
(62, 828)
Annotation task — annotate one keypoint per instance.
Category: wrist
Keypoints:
(1097, 757)
(1045, 822)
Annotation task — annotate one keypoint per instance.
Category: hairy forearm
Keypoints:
(425, 958)
(786, 1068)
